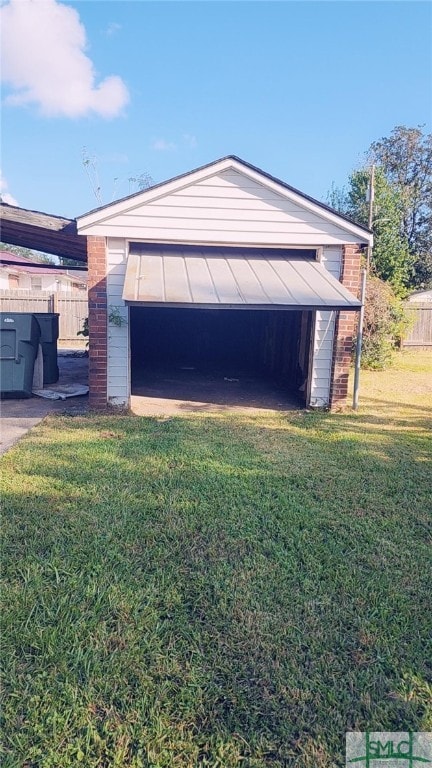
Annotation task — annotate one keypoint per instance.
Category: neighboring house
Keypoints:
(421, 296)
(230, 259)
(19, 272)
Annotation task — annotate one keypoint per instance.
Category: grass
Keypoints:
(218, 590)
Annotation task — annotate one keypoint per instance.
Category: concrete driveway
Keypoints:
(17, 417)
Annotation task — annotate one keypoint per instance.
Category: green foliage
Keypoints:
(405, 158)
(402, 211)
(115, 317)
(391, 258)
(65, 262)
(384, 324)
(141, 180)
(28, 253)
(85, 329)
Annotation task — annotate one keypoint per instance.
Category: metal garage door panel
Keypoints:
(276, 290)
(224, 281)
(329, 290)
(144, 277)
(298, 286)
(177, 289)
(200, 281)
(248, 284)
(209, 277)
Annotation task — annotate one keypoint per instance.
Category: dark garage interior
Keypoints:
(246, 357)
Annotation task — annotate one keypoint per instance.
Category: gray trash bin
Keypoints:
(19, 342)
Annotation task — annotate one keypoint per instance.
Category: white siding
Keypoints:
(228, 207)
(324, 338)
(118, 389)
(52, 283)
(332, 260)
(4, 279)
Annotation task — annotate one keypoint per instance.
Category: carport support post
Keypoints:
(98, 321)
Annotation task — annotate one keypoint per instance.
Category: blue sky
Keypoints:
(299, 89)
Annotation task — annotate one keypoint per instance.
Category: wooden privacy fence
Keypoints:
(420, 333)
(73, 309)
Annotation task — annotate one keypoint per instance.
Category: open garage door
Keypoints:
(190, 342)
(181, 276)
(250, 358)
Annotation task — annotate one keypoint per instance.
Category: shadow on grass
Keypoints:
(228, 589)
(389, 404)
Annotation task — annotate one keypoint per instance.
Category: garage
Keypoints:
(219, 284)
(225, 326)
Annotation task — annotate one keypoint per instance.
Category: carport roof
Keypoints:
(217, 277)
(42, 232)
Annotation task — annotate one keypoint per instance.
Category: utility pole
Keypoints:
(365, 272)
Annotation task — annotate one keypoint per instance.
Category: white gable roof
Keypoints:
(228, 201)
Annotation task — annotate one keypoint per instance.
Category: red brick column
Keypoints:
(98, 321)
(345, 328)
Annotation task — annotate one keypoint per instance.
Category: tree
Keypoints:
(391, 258)
(403, 206)
(65, 262)
(405, 158)
(28, 253)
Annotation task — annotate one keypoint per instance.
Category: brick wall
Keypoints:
(345, 329)
(98, 320)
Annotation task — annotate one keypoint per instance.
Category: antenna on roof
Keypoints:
(90, 167)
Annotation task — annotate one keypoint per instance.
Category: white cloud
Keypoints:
(191, 140)
(112, 29)
(4, 194)
(43, 60)
(162, 145)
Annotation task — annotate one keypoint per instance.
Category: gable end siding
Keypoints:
(227, 208)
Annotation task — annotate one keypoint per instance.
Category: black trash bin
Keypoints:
(19, 342)
(49, 330)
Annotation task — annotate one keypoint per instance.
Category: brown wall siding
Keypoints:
(98, 321)
(345, 330)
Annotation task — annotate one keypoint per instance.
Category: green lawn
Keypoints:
(218, 590)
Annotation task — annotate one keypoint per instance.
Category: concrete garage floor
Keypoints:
(18, 416)
(175, 391)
